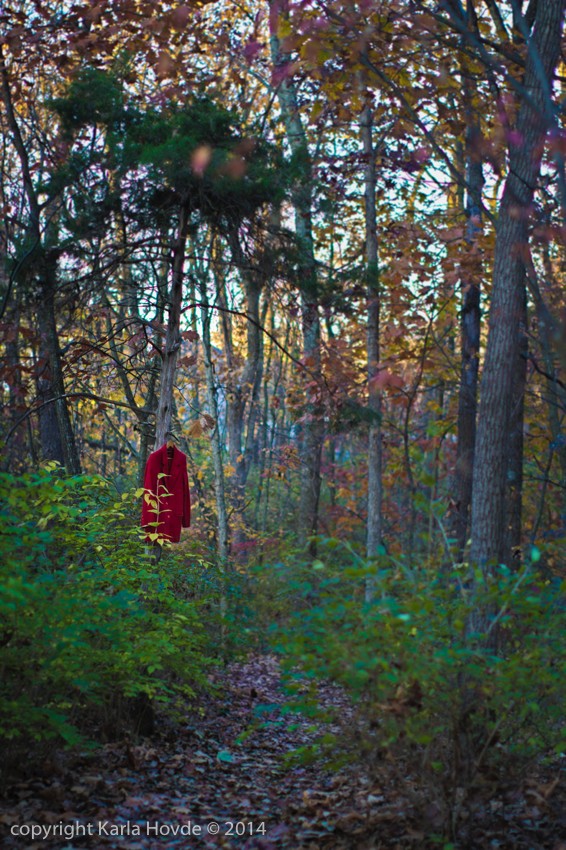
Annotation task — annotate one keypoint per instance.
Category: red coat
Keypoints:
(174, 505)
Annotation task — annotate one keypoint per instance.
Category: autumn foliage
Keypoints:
(323, 243)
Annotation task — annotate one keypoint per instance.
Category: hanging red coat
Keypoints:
(172, 490)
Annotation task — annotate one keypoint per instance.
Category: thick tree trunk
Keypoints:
(173, 336)
(514, 499)
(504, 338)
(49, 436)
(375, 453)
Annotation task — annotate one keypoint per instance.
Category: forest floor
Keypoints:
(196, 775)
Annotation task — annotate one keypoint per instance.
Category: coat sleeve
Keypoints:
(150, 483)
(186, 497)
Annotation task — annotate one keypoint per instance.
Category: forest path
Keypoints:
(198, 774)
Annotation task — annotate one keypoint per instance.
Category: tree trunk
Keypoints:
(146, 425)
(514, 500)
(246, 400)
(470, 325)
(173, 336)
(16, 407)
(504, 337)
(240, 381)
(375, 452)
(48, 319)
(49, 436)
(312, 426)
(555, 390)
(219, 483)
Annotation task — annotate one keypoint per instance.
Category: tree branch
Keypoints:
(89, 396)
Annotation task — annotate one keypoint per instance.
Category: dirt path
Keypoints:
(218, 780)
(194, 778)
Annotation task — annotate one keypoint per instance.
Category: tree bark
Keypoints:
(12, 375)
(470, 326)
(514, 496)
(504, 337)
(555, 390)
(68, 446)
(49, 436)
(173, 336)
(375, 452)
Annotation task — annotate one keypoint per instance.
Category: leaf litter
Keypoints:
(226, 763)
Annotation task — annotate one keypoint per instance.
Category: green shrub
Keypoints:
(88, 621)
(425, 690)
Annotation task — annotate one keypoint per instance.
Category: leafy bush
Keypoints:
(88, 621)
(450, 704)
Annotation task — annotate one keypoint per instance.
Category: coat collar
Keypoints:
(177, 457)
